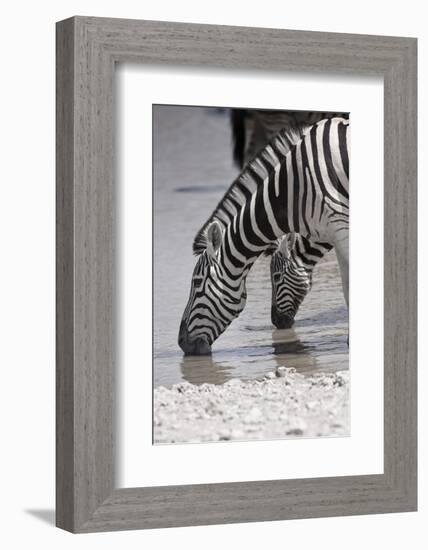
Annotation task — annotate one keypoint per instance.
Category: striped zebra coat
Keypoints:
(252, 129)
(301, 190)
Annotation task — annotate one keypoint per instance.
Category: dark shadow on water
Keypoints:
(43, 514)
(257, 328)
(200, 189)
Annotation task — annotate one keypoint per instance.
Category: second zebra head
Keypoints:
(292, 264)
(291, 281)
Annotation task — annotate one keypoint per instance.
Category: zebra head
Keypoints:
(215, 298)
(291, 281)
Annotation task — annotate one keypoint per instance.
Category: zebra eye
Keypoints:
(197, 281)
(277, 277)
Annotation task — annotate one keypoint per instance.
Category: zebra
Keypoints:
(302, 190)
(291, 267)
(252, 129)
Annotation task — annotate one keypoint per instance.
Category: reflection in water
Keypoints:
(201, 370)
(290, 351)
(286, 349)
(190, 176)
(287, 341)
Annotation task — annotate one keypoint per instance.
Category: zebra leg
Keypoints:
(341, 246)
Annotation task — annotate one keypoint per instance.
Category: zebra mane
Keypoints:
(272, 248)
(245, 183)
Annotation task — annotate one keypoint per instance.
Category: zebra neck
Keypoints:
(233, 264)
(262, 217)
(247, 236)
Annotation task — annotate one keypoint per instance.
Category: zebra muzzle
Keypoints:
(192, 346)
(281, 320)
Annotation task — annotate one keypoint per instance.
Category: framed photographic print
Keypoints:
(225, 304)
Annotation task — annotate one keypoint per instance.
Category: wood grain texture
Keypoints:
(87, 50)
(64, 277)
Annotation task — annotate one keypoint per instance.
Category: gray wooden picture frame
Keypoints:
(87, 50)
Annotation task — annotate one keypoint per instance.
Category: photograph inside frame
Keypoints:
(250, 274)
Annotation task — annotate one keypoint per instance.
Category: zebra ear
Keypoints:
(292, 237)
(214, 238)
(287, 244)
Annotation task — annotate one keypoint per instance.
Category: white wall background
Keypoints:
(27, 272)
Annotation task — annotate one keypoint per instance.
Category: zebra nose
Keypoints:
(192, 346)
(281, 320)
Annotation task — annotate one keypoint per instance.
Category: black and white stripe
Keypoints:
(299, 190)
(252, 129)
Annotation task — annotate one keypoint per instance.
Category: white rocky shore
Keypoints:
(283, 404)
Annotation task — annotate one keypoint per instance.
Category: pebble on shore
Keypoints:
(283, 404)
